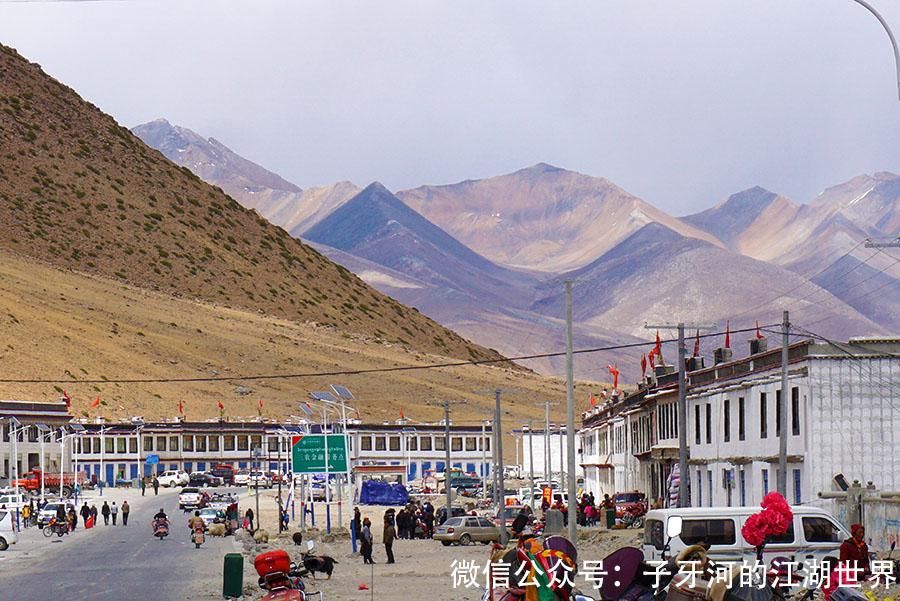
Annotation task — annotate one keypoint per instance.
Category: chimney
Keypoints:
(662, 370)
(722, 355)
(694, 363)
(758, 345)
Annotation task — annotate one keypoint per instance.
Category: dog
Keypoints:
(297, 538)
(319, 563)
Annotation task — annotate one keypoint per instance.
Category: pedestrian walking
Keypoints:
(26, 515)
(114, 510)
(249, 517)
(93, 515)
(357, 523)
(387, 537)
(143, 486)
(155, 485)
(85, 513)
(126, 509)
(104, 511)
(366, 545)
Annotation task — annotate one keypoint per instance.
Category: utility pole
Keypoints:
(531, 466)
(446, 405)
(785, 404)
(683, 473)
(548, 469)
(498, 467)
(570, 416)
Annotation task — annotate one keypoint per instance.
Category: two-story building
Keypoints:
(36, 421)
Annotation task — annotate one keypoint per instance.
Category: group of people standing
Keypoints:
(403, 524)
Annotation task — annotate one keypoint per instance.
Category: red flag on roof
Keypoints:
(727, 334)
(401, 413)
(221, 406)
(592, 400)
(657, 350)
(643, 365)
(651, 358)
(614, 372)
(180, 407)
(697, 345)
(758, 333)
(96, 402)
(68, 400)
(357, 414)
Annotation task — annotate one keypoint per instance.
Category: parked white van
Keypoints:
(813, 535)
(8, 534)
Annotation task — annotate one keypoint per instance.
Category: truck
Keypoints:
(31, 482)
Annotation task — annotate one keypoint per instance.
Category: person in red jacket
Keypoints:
(855, 551)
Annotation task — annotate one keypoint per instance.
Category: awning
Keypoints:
(664, 452)
(604, 462)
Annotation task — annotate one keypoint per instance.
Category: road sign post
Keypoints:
(308, 453)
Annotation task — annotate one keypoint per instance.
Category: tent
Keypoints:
(379, 492)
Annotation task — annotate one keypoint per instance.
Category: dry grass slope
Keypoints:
(79, 191)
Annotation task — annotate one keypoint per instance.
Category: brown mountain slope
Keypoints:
(542, 218)
(74, 327)
(80, 191)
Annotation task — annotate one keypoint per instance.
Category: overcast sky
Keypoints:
(680, 102)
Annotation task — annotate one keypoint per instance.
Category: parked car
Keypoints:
(242, 477)
(192, 498)
(317, 490)
(225, 472)
(466, 487)
(13, 501)
(221, 501)
(510, 512)
(210, 515)
(634, 503)
(203, 480)
(260, 480)
(441, 514)
(173, 478)
(8, 534)
(465, 530)
(47, 513)
(813, 535)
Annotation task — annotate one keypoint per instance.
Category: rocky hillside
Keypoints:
(81, 192)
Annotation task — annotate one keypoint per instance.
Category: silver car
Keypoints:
(465, 530)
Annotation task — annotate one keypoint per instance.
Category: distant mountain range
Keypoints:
(488, 258)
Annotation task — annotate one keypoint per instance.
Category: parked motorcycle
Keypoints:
(56, 527)
(282, 578)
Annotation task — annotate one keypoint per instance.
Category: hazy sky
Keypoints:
(680, 102)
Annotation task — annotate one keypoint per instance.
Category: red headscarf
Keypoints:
(855, 528)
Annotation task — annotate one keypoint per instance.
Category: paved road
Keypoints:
(116, 563)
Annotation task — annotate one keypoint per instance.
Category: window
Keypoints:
(188, 442)
(763, 418)
(173, 443)
(394, 443)
(487, 444)
(201, 444)
(97, 445)
(699, 485)
(765, 481)
(380, 443)
(709, 478)
(440, 443)
(148, 443)
(108, 444)
(132, 445)
(243, 442)
(743, 482)
(708, 423)
(485, 523)
(726, 410)
(713, 532)
(256, 441)
(121, 444)
(273, 444)
(228, 442)
(425, 443)
(456, 443)
(795, 411)
(471, 443)
(798, 497)
(214, 442)
(777, 413)
(161, 443)
(741, 421)
(820, 530)
(365, 443)
(412, 443)
(697, 424)
(786, 538)
(653, 534)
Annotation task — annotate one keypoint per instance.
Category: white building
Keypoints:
(542, 445)
(841, 421)
(26, 451)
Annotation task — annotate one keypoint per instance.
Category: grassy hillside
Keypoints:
(79, 191)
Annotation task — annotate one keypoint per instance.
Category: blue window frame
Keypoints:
(188, 466)
(709, 481)
(470, 467)
(439, 466)
(412, 471)
(201, 466)
(743, 480)
(797, 492)
(765, 479)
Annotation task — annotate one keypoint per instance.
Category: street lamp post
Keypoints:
(890, 34)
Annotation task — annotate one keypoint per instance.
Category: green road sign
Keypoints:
(309, 453)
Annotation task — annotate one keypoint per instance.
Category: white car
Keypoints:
(241, 478)
(48, 512)
(260, 480)
(13, 501)
(191, 498)
(8, 534)
(173, 478)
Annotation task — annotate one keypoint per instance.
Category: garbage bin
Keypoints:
(610, 517)
(233, 576)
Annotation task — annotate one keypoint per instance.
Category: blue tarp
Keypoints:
(379, 492)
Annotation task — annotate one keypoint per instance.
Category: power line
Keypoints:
(353, 372)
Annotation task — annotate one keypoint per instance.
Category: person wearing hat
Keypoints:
(855, 551)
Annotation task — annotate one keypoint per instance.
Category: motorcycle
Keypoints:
(160, 528)
(282, 578)
(56, 527)
(198, 536)
(632, 519)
